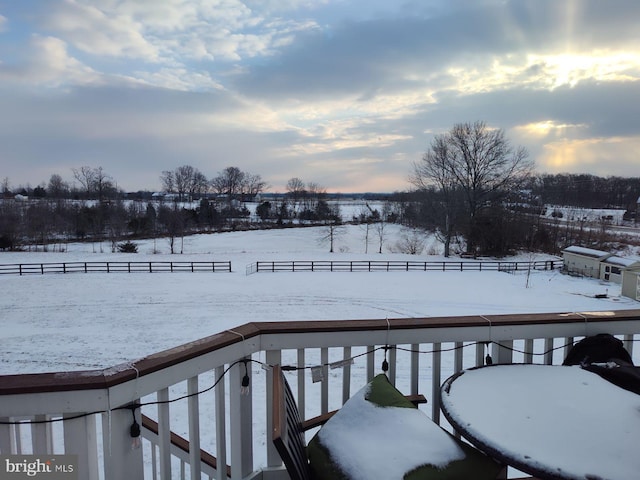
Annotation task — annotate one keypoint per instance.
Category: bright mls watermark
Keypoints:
(49, 467)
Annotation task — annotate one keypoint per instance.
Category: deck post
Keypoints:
(122, 458)
(273, 357)
(241, 423)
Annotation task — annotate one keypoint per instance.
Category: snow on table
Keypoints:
(558, 420)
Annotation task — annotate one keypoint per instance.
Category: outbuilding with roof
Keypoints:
(584, 261)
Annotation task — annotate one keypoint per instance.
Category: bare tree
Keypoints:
(184, 180)
(94, 181)
(330, 233)
(85, 177)
(434, 172)
(5, 186)
(253, 185)
(479, 162)
(57, 187)
(102, 183)
(229, 182)
(167, 181)
(295, 190)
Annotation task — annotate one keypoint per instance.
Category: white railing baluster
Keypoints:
(392, 364)
(346, 375)
(415, 369)
(324, 385)
(80, 439)
(301, 382)
(41, 436)
(568, 344)
(457, 357)
(6, 441)
(154, 461)
(548, 351)
(528, 350)
(241, 423)
(17, 438)
(436, 367)
(164, 433)
(221, 430)
(371, 368)
(193, 406)
(480, 354)
(502, 351)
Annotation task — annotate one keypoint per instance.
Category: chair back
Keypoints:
(288, 435)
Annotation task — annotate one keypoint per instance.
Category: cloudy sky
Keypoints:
(345, 94)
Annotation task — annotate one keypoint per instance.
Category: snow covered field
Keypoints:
(85, 321)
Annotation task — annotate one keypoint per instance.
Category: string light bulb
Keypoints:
(244, 386)
(487, 359)
(134, 430)
(385, 363)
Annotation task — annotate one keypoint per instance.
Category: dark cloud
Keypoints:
(395, 71)
(378, 54)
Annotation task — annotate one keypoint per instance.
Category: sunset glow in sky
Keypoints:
(345, 94)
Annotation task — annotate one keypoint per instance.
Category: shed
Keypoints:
(631, 284)
(612, 267)
(583, 261)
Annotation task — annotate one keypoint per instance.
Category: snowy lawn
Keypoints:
(85, 321)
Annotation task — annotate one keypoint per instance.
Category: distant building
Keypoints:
(631, 284)
(612, 268)
(583, 261)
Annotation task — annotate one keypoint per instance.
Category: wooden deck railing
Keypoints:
(197, 408)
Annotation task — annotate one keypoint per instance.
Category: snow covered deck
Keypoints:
(198, 392)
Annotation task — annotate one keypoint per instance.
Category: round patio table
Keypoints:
(553, 422)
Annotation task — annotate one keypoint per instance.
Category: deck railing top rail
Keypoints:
(496, 326)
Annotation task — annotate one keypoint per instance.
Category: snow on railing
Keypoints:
(204, 407)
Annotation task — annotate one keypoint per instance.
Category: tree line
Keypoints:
(472, 188)
(52, 215)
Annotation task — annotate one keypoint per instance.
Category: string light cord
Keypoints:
(245, 361)
(132, 406)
